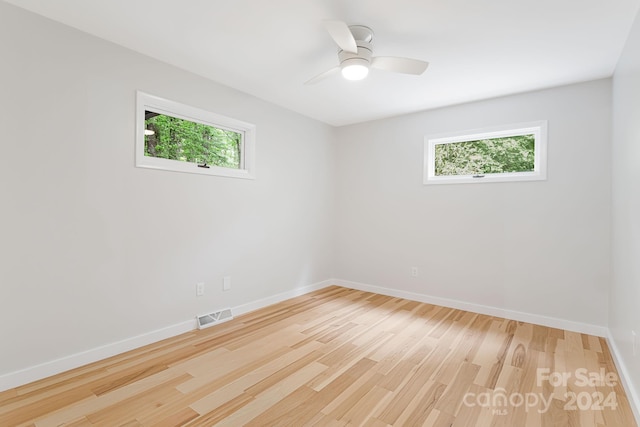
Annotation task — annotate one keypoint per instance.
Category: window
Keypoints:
(177, 137)
(508, 153)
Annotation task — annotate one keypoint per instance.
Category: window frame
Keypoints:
(537, 128)
(146, 102)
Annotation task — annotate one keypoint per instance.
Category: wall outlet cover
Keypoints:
(199, 289)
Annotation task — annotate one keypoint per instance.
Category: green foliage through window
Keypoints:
(171, 138)
(486, 156)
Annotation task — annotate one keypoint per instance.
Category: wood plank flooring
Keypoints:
(341, 357)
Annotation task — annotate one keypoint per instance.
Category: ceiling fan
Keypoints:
(355, 55)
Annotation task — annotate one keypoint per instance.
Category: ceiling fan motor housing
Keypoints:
(363, 57)
(363, 37)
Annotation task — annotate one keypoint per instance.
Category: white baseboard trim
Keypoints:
(274, 299)
(632, 393)
(34, 373)
(47, 369)
(569, 325)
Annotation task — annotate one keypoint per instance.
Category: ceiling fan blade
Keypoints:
(399, 65)
(340, 33)
(322, 76)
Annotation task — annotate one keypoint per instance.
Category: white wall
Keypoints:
(624, 311)
(532, 247)
(94, 250)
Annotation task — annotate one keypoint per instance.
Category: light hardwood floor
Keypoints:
(340, 357)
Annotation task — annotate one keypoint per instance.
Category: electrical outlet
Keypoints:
(199, 289)
(414, 271)
(226, 283)
(634, 343)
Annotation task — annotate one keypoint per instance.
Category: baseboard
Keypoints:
(274, 299)
(47, 369)
(569, 325)
(632, 393)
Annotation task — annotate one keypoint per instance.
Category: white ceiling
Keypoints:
(476, 48)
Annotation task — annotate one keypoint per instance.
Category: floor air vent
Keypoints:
(214, 318)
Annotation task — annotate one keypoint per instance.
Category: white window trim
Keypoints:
(146, 102)
(538, 128)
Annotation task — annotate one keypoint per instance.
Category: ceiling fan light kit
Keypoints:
(356, 54)
(355, 69)
(355, 66)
